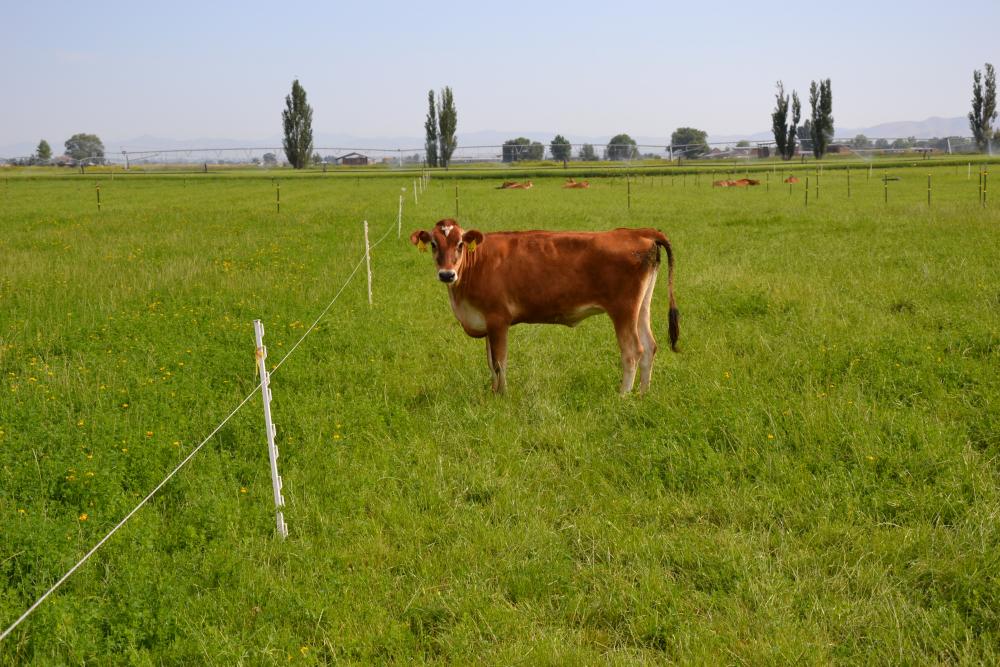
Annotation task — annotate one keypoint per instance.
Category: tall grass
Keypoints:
(813, 477)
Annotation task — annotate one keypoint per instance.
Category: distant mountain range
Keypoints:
(923, 129)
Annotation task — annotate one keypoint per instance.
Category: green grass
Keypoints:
(813, 478)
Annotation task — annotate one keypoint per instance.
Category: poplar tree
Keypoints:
(447, 124)
(297, 122)
(779, 118)
(984, 107)
(821, 127)
(796, 117)
(785, 133)
(431, 132)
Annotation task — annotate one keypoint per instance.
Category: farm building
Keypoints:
(353, 159)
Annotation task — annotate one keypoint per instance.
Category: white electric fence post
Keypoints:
(368, 263)
(272, 449)
(399, 219)
(414, 191)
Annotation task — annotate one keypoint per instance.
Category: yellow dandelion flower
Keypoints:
(770, 436)
(83, 517)
(21, 511)
(149, 434)
(243, 489)
(304, 650)
(80, 423)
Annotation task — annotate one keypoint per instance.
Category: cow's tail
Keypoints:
(674, 328)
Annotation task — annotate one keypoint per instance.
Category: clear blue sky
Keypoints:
(188, 70)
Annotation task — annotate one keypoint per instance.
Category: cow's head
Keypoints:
(450, 245)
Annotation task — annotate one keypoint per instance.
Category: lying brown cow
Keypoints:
(791, 179)
(505, 278)
(739, 183)
(572, 184)
(514, 185)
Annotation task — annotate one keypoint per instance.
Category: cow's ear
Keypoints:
(472, 238)
(420, 238)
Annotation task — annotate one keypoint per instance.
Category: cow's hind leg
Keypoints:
(646, 335)
(627, 330)
(496, 348)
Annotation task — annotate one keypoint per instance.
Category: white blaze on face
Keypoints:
(446, 230)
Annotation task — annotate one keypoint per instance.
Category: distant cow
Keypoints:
(501, 279)
(791, 179)
(514, 185)
(739, 183)
(578, 185)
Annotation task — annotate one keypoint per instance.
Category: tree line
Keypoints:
(441, 124)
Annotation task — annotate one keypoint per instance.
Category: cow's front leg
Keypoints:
(496, 349)
(489, 360)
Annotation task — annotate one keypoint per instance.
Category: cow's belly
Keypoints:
(570, 317)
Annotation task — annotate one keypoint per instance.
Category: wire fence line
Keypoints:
(193, 452)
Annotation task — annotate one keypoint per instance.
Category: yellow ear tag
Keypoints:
(421, 246)
(472, 246)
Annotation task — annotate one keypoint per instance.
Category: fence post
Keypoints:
(272, 449)
(399, 218)
(368, 263)
(414, 192)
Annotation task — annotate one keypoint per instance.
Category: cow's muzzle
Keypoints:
(447, 276)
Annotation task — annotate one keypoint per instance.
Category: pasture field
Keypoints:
(812, 478)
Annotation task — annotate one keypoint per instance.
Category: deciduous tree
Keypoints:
(85, 147)
(622, 147)
(561, 148)
(514, 150)
(44, 152)
(691, 142)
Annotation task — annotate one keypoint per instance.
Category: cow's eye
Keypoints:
(434, 245)
(460, 244)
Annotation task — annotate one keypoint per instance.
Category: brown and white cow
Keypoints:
(504, 278)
